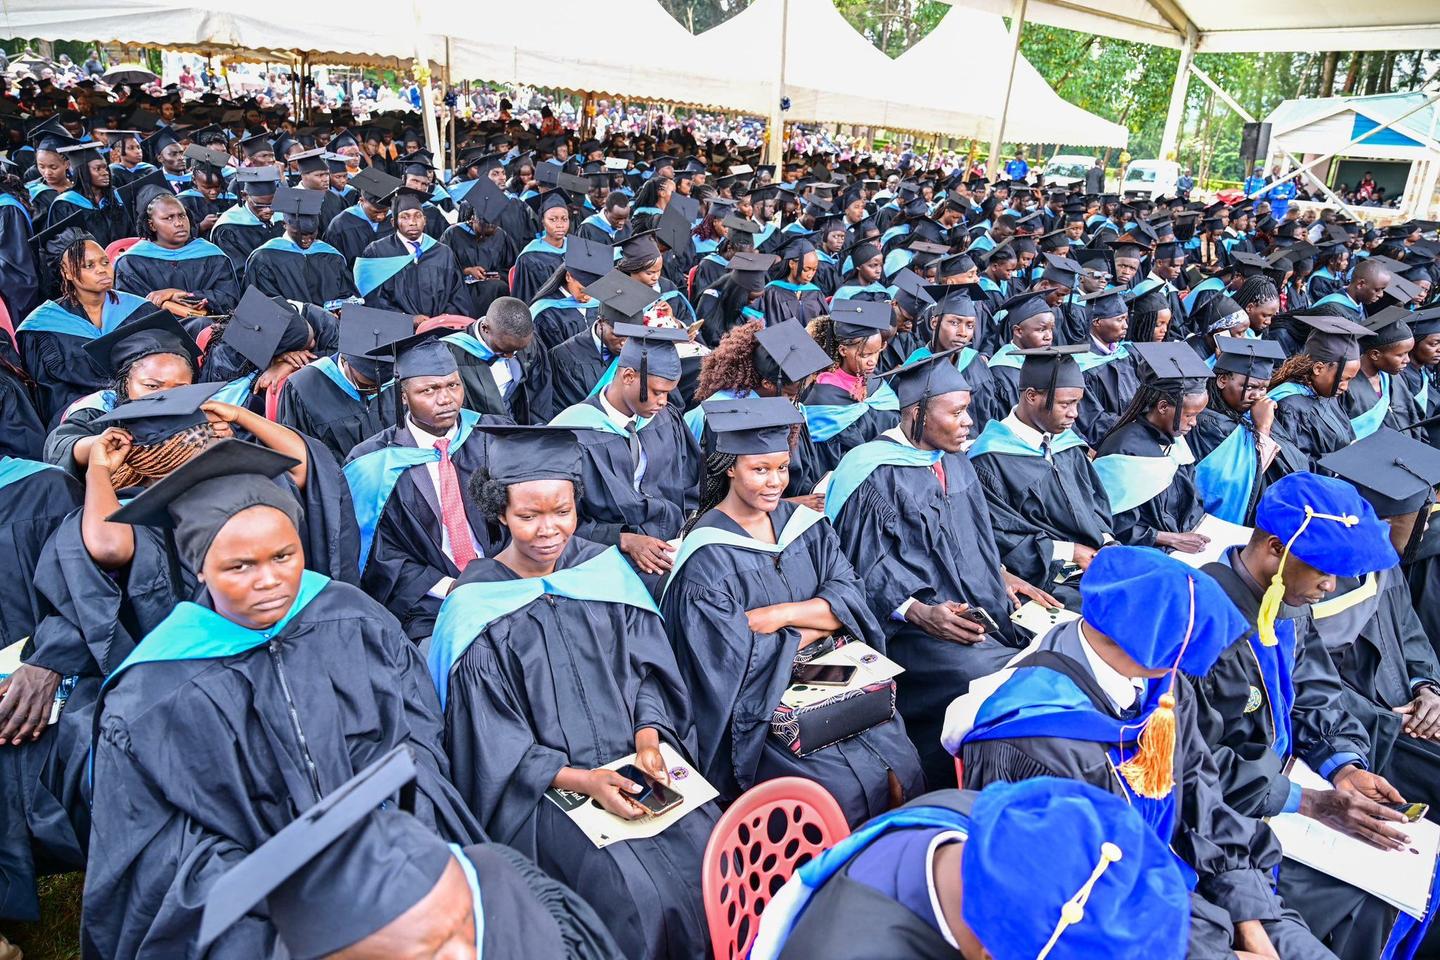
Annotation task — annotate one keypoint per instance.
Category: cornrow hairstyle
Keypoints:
(147, 464)
(1148, 397)
(1256, 289)
(1300, 369)
(713, 487)
(144, 222)
(121, 386)
(1142, 326)
(13, 187)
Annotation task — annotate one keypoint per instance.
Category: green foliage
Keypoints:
(893, 26)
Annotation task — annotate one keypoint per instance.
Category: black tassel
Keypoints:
(917, 429)
(644, 376)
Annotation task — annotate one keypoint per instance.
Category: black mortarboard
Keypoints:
(750, 269)
(1332, 339)
(1218, 313)
(1148, 298)
(1060, 270)
(640, 246)
(1023, 306)
(1248, 263)
(1395, 473)
(136, 338)
(860, 319)
(756, 425)
(407, 199)
(281, 867)
(587, 260)
(1050, 368)
(1423, 323)
(687, 208)
(519, 454)
(258, 326)
(51, 127)
(786, 353)
(673, 229)
(1106, 302)
(423, 355)
(622, 298)
(743, 224)
(311, 161)
(156, 417)
(1170, 362)
(1249, 356)
(367, 338)
(1388, 326)
(376, 185)
(214, 160)
(487, 200)
(953, 299)
(650, 351)
(298, 203)
(257, 181)
(549, 199)
(1400, 292)
(927, 377)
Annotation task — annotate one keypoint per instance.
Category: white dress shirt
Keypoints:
(623, 422)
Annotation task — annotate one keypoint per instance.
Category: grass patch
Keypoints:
(57, 935)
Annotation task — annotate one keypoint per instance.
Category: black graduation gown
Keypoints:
(62, 370)
(556, 324)
(328, 695)
(36, 836)
(239, 240)
(871, 424)
(1360, 396)
(531, 399)
(406, 557)
(736, 677)
(904, 343)
(334, 203)
(519, 222)
(1109, 389)
(200, 207)
(1424, 385)
(1035, 503)
(19, 271)
(669, 491)
(427, 287)
(316, 406)
(850, 920)
(21, 432)
(523, 701)
(708, 273)
(718, 313)
(108, 222)
(1233, 854)
(575, 367)
(1318, 426)
(351, 234)
(210, 278)
(779, 304)
(533, 266)
(1176, 509)
(907, 538)
(306, 278)
(495, 254)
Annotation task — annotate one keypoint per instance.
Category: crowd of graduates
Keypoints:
(355, 509)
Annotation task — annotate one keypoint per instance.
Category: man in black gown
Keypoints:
(368, 219)
(241, 230)
(502, 366)
(298, 266)
(409, 271)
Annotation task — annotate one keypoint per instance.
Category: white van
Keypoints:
(1066, 168)
(1148, 179)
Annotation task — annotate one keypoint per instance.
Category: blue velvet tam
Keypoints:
(1342, 535)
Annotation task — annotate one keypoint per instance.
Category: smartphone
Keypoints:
(1413, 811)
(654, 796)
(982, 616)
(824, 674)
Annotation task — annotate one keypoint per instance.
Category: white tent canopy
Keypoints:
(1237, 26)
(1037, 113)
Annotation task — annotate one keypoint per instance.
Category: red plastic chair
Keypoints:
(120, 246)
(510, 279)
(690, 282)
(767, 834)
(445, 321)
(5, 322)
(959, 773)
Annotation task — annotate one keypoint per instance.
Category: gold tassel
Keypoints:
(1274, 597)
(1151, 771)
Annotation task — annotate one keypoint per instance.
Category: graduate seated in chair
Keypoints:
(914, 523)
(1042, 868)
(1309, 387)
(764, 582)
(302, 681)
(243, 228)
(503, 366)
(1379, 396)
(1048, 507)
(1108, 699)
(418, 530)
(173, 269)
(409, 271)
(641, 463)
(298, 266)
(551, 661)
(1275, 694)
(848, 405)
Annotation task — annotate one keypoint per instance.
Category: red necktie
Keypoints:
(452, 508)
(939, 474)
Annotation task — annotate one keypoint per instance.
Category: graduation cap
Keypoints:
(1394, 473)
(587, 260)
(1251, 357)
(368, 337)
(156, 333)
(406, 198)
(1023, 306)
(316, 844)
(622, 298)
(212, 160)
(1400, 292)
(310, 161)
(640, 246)
(860, 319)
(911, 291)
(549, 199)
(257, 181)
(1175, 361)
(1332, 339)
(751, 269)
(294, 202)
(49, 242)
(156, 417)
(952, 299)
(1106, 302)
(522, 453)
(154, 144)
(1051, 368)
(1388, 326)
(919, 380)
(1060, 270)
(375, 185)
(51, 127)
(734, 221)
(257, 327)
(673, 228)
(1423, 323)
(786, 353)
(650, 351)
(752, 426)
(422, 355)
(863, 250)
(1248, 263)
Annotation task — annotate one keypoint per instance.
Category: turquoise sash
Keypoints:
(538, 245)
(371, 272)
(695, 418)
(750, 313)
(470, 608)
(471, 344)
(103, 400)
(963, 360)
(286, 245)
(896, 260)
(1209, 283)
(850, 291)
(14, 469)
(1007, 356)
(605, 379)
(358, 213)
(77, 198)
(196, 249)
(585, 416)
(857, 465)
(459, 191)
(50, 317)
(372, 478)
(703, 247)
(825, 421)
(997, 437)
(599, 221)
(1225, 477)
(8, 201)
(240, 216)
(331, 369)
(1291, 389)
(1342, 298)
(37, 187)
(765, 234)
(193, 632)
(1373, 419)
(1131, 481)
(801, 520)
(237, 392)
(558, 303)
(1090, 360)
(793, 287)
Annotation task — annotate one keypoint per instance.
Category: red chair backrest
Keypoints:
(959, 773)
(5, 322)
(272, 398)
(510, 279)
(120, 246)
(445, 321)
(690, 282)
(767, 834)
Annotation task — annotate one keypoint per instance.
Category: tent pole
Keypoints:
(997, 136)
(454, 111)
(1169, 140)
(775, 143)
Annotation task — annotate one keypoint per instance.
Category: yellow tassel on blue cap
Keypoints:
(1274, 597)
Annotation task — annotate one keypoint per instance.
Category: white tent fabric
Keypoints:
(1238, 26)
(1037, 113)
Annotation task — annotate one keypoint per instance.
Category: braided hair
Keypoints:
(1299, 369)
(13, 187)
(1148, 397)
(69, 264)
(144, 224)
(1256, 289)
(822, 331)
(714, 487)
(465, 213)
(144, 464)
(121, 384)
